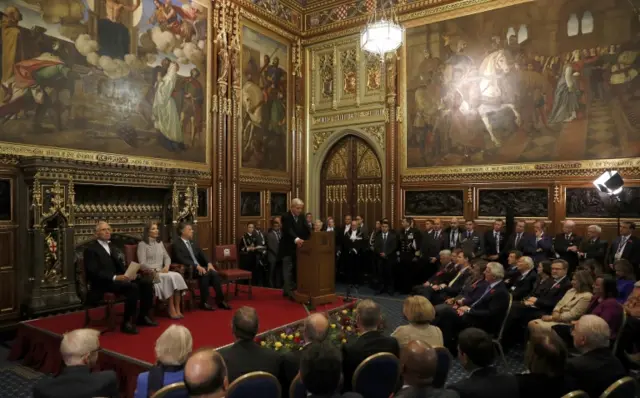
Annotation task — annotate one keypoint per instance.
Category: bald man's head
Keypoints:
(316, 328)
(205, 373)
(419, 363)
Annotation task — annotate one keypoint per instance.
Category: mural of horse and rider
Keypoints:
(502, 87)
(265, 99)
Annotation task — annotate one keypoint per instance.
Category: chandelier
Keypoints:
(382, 33)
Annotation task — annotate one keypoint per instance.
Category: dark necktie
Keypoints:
(278, 235)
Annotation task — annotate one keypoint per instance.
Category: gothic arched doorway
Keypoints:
(351, 181)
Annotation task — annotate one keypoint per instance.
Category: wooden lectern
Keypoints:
(316, 269)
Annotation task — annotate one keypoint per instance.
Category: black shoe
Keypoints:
(128, 328)
(223, 305)
(146, 321)
(207, 307)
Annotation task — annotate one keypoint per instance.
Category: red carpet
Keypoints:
(38, 340)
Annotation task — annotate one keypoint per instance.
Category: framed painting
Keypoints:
(591, 203)
(523, 202)
(118, 81)
(250, 204)
(436, 203)
(515, 94)
(266, 100)
(6, 200)
(278, 203)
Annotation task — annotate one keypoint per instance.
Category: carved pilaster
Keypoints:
(236, 116)
(391, 117)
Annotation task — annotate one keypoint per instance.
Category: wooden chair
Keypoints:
(168, 389)
(497, 340)
(616, 342)
(623, 388)
(108, 300)
(227, 263)
(255, 384)
(445, 361)
(297, 388)
(377, 376)
(576, 394)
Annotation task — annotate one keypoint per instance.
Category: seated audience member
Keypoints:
(79, 350)
(472, 290)
(153, 255)
(245, 355)
(512, 271)
(205, 374)
(592, 266)
(420, 313)
(543, 274)
(189, 254)
(522, 284)
(321, 371)
(106, 273)
(437, 294)
(487, 313)
(443, 276)
(630, 338)
(419, 364)
(603, 304)
(626, 278)
(172, 350)
(571, 306)
(316, 328)
(597, 368)
(476, 353)
(546, 358)
(371, 340)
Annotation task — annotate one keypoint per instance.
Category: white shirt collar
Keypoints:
(186, 241)
(494, 284)
(526, 273)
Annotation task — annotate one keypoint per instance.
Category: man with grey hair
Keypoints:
(593, 247)
(487, 313)
(316, 329)
(294, 232)
(79, 349)
(523, 284)
(566, 244)
(597, 368)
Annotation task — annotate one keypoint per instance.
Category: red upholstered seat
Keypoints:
(109, 297)
(234, 274)
(227, 265)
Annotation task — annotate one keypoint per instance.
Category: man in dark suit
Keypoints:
(566, 244)
(625, 246)
(593, 247)
(105, 272)
(79, 350)
(522, 285)
(273, 247)
(419, 366)
(187, 253)
(245, 355)
(385, 249)
(437, 294)
(321, 372)
(294, 232)
(597, 368)
(316, 329)
(494, 241)
(428, 252)
(521, 241)
(472, 240)
(453, 234)
(543, 244)
(445, 274)
(371, 340)
(477, 353)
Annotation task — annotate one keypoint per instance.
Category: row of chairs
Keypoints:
(623, 388)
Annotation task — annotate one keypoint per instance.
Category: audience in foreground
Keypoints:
(419, 364)
(173, 347)
(420, 313)
(321, 371)
(316, 329)
(79, 350)
(205, 374)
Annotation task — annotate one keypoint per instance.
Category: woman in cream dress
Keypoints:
(153, 255)
(420, 313)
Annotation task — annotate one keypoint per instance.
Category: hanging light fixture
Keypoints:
(382, 33)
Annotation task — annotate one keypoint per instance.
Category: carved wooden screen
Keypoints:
(351, 181)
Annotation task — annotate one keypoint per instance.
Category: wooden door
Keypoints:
(351, 182)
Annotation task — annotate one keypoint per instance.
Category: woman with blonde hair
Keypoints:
(420, 313)
(317, 226)
(173, 347)
(153, 255)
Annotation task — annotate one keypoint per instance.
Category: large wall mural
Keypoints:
(553, 80)
(265, 100)
(125, 77)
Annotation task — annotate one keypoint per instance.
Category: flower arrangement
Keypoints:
(342, 328)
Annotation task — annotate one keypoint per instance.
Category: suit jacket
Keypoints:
(369, 343)
(486, 383)
(292, 229)
(595, 370)
(273, 246)
(78, 382)
(457, 283)
(291, 366)
(101, 266)
(543, 249)
(534, 385)
(425, 392)
(358, 245)
(594, 249)
(488, 312)
(182, 256)
(630, 252)
(526, 245)
(572, 305)
(609, 310)
(246, 356)
(429, 246)
(142, 386)
(522, 287)
(490, 245)
(445, 275)
(473, 243)
(472, 291)
(548, 297)
(390, 248)
(450, 242)
(561, 244)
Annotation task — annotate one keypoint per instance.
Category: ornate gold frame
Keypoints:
(266, 29)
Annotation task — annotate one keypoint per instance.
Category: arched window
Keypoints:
(510, 32)
(573, 25)
(523, 34)
(587, 23)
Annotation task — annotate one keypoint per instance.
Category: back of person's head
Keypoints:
(546, 353)
(321, 368)
(245, 323)
(80, 347)
(205, 373)
(369, 314)
(608, 286)
(475, 348)
(418, 310)
(174, 345)
(316, 328)
(419, 362)
(590, 333)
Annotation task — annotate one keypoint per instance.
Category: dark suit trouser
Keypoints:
(516, 330)
(353, 268)
(386, 267)
(288, 265)
(450, 324)
(275, 277)
(134, 291)
(210, 279)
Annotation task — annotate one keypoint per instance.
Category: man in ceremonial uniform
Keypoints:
(409, 254)
(471, 240)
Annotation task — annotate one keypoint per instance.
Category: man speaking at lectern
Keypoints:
(294, 232)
